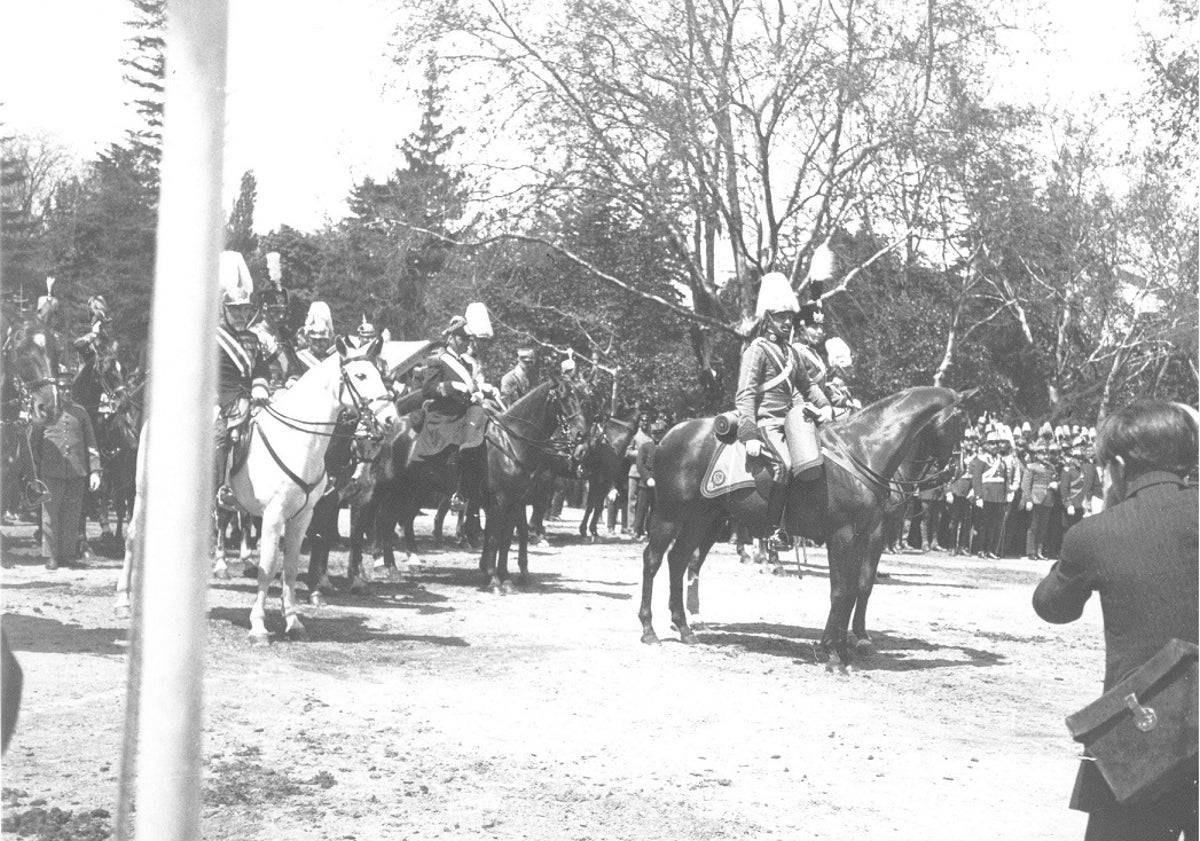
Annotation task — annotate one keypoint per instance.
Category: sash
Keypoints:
(456, 365)
(307, 358)
(234, 350)
(776, 355)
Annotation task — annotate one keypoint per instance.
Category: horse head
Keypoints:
(936, 447)
(571, 401)
(31, 358)
(362, 389)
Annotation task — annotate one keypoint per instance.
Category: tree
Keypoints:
(239, 229)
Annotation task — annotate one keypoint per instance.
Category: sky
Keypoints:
(315, 103)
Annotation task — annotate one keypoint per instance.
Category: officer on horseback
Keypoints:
(455, 420)
(825, 360)
(243, 373)
(772, 380)
(318, 336)
(268, 325)
(365, 334)
(516, 383)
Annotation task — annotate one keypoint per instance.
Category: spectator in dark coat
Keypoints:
(68, 461)
(645, 469)
(1140, 555)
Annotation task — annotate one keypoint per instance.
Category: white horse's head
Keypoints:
(362, 389)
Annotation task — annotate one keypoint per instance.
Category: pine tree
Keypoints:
(239, 229)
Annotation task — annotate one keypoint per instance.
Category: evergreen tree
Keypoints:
(239, 229)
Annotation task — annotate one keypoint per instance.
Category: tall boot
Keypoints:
(225, 496)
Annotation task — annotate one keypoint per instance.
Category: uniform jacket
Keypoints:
(448, 381)
(645, 461)
(242, 366)
(1076, 483)
(68, 449)
(762, 363)
(1140, 556)
(960, 485)
(514, 385)
(990, 478)
(632, 451)
(1039, 483)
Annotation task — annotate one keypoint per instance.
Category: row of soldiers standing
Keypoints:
(1012, 493)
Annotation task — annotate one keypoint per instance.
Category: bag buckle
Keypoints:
(1144, 718)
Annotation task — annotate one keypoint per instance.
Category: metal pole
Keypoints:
(181, 395)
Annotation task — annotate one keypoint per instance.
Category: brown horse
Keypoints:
(844, 508)
(520, 444)
(605, 467)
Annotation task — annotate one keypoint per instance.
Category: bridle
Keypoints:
(559, 443)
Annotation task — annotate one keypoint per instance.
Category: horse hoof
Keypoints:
(688, 638)
(746, 557)
(506, 588)
(250, 571)
(296, 633)
(259, 638)
(778, 569)
(358, 585)
(696, 623)
(222, 573)
(864, 648)
(325, 583)
(820, 653)
(650, 638)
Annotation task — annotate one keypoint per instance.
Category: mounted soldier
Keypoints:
(455, 420)
(772, 382)
(243, 372)
(524, 375)
(365, 334)
(825, 360)
(268, 325)
(318, 336)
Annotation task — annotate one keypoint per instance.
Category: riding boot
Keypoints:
(226, 498)
(776, 504)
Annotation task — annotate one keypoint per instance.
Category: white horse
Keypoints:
(283, 475)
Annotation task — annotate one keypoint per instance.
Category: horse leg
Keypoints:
(123, 607)
(679, 557)
(846, 549)
(500, 574)
(439, 520)
(863, 647)
(487, 557)
(693, 573)
(268, 558)
(385, 536)
(361, 516)
(522, 547)
(293, 536)
(220, 567)
(317, 577)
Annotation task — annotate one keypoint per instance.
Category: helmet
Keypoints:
(478, 323)
(775, 295)
(526, 354)
(98, 308)
(568, 365)
(366, 331)
(838, 352)
(318, 324)
(274, 268)
(1046, 430)
(457, 324)
(236, 288)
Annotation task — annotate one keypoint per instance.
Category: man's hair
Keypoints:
(1150, 435)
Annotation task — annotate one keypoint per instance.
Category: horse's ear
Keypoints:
(970, 392)
(374, 348)
(340, 342)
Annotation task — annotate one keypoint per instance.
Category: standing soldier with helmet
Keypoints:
(958, 495)
(990, 476)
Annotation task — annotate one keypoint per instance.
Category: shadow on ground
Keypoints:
(892, 653)
(327, 628)
(39, 635)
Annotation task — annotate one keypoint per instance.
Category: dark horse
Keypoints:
(520, 442)
(605, 467)
(844, 508)
(101, 388)
(30, 396)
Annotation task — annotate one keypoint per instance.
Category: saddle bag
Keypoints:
(725, 427)
(1142, 732)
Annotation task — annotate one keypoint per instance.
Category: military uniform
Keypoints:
(772, 380)
(67, 456)
(452, 417)
(990, 476)
(1039, 490)
(515, 384)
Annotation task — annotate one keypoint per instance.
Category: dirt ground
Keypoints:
(433, 709)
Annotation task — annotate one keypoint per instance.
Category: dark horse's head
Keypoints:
(937, 445)
(31, 365)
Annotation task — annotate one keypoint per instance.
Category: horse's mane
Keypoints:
(872, 416)
(531, 402)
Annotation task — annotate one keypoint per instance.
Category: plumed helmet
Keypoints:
(366, 330)
(994, 436)
(236, 283)
(47, 303)
(971, 433)
(98, 308)
(1046, 430)
(274, 267)
(457, 324)
(811, 314)
(823, 264)
(1060, 432)
(568, 365)
(319, 321)
(775, 295)
(479, 323)
(838, 352)
(1027, 429)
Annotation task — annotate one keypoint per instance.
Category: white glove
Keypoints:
(650, 483)
(1071, 510)
(1029, 506)
(979, 503)
(825, 414)
(476, 396)
(949, 498)
(754, 448)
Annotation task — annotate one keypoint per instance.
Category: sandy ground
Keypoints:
(433, 709)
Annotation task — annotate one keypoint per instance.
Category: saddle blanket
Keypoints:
(727, 471)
